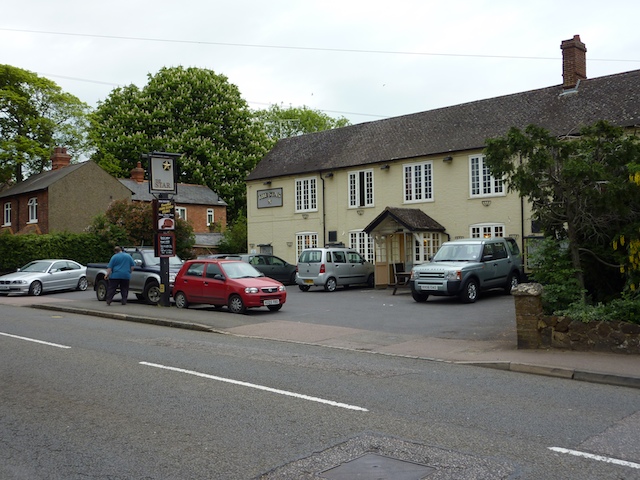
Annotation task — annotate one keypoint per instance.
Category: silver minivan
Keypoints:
(330, 267)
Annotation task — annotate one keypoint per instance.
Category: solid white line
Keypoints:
(258, 387)
(34, 340)
(600, 458)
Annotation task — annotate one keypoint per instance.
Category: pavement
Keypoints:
(607, 368)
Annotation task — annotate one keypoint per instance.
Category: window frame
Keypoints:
(210, 217)
(360, 185)
(417, 190)
(306, 192)
(363, 243)
(487, 230)
(33, 210)
(181, 212)
(7, 214)
(305, 240)
(481, 182)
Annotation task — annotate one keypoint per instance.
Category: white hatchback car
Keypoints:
(330, 267)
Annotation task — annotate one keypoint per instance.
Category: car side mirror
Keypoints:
(138, 262)
(218, 276)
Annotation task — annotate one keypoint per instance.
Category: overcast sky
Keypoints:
(362, 59)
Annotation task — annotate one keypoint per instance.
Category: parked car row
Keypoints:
(461, 267)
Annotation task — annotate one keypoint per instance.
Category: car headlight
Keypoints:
(453, 275)
(172, 277)
(282, 288)
(20, 282)
(251, 290)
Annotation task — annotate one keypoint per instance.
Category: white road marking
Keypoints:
(258, 387)
(600, 458)
(34, 340)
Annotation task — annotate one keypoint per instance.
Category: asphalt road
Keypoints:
(109, 399)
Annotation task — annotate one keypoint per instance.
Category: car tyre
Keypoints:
(152, 293)
(82, 284)
(470, 291)
(371, 281)
(101, 290)
(236, 305)
(304, 288)
(512, 282)
(419, 297)
(181, 300)
(292, 280)
(331, 285)
(35, 289)
(274, 308)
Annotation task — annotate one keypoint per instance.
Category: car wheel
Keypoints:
(152, 293)
(292, 280)
(236, 305)
(35, 288)
(181, 300)
(304, 288)
(82, 284)
(331, 285)
(512, 282)
(470, 291)
(101, 290)
(419, 297)
(274, 308)
(371, 281)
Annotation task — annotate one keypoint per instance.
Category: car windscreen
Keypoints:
(36, 267)
(240, 270)
(458, 253)
(150, 260)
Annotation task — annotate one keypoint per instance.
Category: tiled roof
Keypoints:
(40, 181)
(614, 98)
(187, 194)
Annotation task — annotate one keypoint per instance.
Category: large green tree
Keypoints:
(283, 122)
(36, 116)
(190, 111)
(579, 188)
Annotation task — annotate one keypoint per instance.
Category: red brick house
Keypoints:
(63, 199)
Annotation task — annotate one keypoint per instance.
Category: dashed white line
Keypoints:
(258, 387)
(34, 340)
(599, 458)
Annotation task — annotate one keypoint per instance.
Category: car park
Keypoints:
(233, 283)
(466, 267)
(43, 276)
(333, 267)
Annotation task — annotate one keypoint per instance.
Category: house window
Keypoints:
(487, 230)
(418, 182)
(7, 213)
(482, 182)
(305, 240)
(181, 212)
(363, 243)
(209, 217)
(361, 189)
(306, 195)
(33, 210)
(425, 246)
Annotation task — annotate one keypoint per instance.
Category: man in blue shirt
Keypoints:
(119, 274)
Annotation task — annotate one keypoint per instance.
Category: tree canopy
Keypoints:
(36, 116)
(579, 187)
(280, 122)
(190, 111)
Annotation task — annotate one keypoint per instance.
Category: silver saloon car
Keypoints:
(42, 276)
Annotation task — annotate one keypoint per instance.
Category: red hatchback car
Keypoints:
(221, 282)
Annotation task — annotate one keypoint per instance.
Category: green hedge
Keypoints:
(17, 250)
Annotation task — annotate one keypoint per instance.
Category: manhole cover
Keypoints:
(378, 467)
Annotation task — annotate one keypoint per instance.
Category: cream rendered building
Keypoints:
(395, 189)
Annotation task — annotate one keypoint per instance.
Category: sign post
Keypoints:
(163, 182)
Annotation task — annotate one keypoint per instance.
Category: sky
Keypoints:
(361, 59)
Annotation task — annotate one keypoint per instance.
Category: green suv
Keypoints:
(466, 267)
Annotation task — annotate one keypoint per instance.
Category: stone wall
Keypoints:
(536, 330)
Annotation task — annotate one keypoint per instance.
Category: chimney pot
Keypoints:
(60, 158)
(574, 62)
(137, 173)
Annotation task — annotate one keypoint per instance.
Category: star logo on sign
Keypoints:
(166, 165)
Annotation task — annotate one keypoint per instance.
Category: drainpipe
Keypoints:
(324, 212)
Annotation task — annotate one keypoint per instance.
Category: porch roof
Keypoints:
(413, 219)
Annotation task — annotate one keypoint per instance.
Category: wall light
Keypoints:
(384, 167)
(360, 212)
(447, 159)
(486, 203)
(289, 244)
(268, 182)
(305, 215)
(329, 175)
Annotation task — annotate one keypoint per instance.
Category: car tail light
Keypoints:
(322, 268)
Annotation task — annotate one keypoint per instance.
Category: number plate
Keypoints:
(272, 302)
(428, 287)
(4, 287)
(309, 281)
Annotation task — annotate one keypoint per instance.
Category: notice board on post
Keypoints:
(165, 244)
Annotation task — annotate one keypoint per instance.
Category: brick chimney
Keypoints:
(60, 158)
(137, 173)
(574, 62)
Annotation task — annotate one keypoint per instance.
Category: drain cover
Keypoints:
(378, 467)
